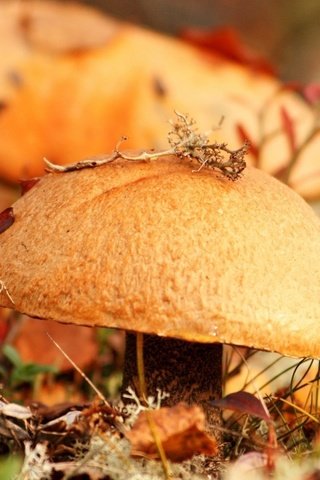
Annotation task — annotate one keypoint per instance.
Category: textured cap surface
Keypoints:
(158, 248)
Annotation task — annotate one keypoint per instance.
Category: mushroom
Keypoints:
(188, 258)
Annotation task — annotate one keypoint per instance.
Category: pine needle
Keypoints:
(83, 375)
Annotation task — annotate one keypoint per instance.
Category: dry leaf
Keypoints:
(4, 323)
(56, 393)
(6, 219)
(26, 185)
(14, 410)
(227, 42)
(250, 462)
(35, 346)
(243, 402)
(8, 195)
(181, 430)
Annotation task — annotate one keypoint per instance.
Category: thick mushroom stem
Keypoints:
(188, 372)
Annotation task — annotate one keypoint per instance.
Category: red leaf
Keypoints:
(292, 86)
(6, 219)
(311, 93)
(226, 42)
(26, 185)
(245, 137)
(288, 127)
(3, 330)
(243, 402)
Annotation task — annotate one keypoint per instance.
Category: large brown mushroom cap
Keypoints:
(158, 248)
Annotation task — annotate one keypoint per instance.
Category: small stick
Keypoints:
(4, 289)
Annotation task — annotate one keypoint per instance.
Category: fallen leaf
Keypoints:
(47, 413)
(10, 430)
(249, 462)
(26, 185)
(227, 42)
(57, 392)
(311, 93)
(6, 219)
(14, 410)
(181, 430)
(243, 402)
(4, 323)
(8, 195)
(34, 345)
(65, 421)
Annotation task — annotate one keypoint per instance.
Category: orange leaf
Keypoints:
(181, 430)
(35, 346)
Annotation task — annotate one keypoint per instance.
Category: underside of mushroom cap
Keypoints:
(158, 248)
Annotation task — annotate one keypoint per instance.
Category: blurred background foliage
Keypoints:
(285, 31)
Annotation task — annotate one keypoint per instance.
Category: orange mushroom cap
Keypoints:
(155, 247)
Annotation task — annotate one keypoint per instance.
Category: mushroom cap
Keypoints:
(156, 247)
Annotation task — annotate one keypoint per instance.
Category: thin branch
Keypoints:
(184, 141)
(4, 289)
(116, 423)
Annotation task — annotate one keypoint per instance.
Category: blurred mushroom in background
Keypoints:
(65, 97)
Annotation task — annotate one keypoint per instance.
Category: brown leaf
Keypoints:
(243, 402)
(181, 430)
(57, 392)
(26, 185)
(3, 105)
(6, 219)
(4, 324)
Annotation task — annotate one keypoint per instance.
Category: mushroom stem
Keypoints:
(188, 372)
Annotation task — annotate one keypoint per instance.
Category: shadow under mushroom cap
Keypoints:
(158, 248)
